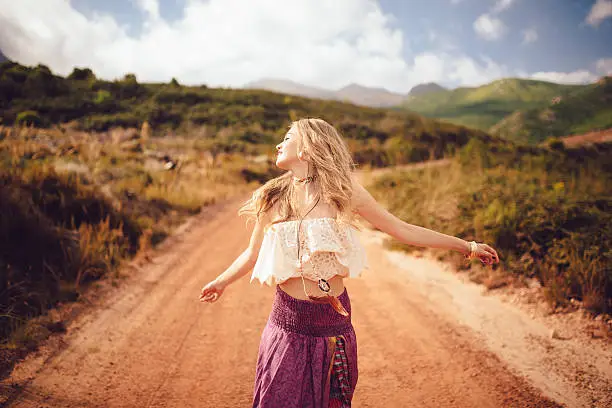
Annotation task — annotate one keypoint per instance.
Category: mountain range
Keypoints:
(522, 110)
(484, 106)
(353, 93)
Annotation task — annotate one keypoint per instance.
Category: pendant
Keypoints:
(323, 285)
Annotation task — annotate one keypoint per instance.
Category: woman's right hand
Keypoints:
(212, 291)
(485, 254)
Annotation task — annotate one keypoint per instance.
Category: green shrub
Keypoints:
(554, 143)
(82, 74)
(102, 96)
(28, 118)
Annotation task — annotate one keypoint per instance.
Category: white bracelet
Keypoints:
(473, 248)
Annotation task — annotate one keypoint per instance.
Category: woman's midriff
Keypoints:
(295, 288)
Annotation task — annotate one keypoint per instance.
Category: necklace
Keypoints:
(307, 179)
(323, 284)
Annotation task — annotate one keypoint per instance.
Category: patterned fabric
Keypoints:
(327, 248)
(340, 385)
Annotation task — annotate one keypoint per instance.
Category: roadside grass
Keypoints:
(76, 206)
(547, 212)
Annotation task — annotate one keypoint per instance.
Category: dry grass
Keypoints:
(547, 215)
(84, 203)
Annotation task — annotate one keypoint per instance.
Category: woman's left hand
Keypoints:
(486, 254)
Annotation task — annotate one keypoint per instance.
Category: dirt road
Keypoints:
(152, 344)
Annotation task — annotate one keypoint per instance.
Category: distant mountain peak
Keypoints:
(426, 88)
(289, 87)
(363, 88)
(3, 57)
(353, 93)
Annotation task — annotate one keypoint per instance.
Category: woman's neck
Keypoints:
(306, 195)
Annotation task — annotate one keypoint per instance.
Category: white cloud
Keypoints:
(502, 5)
(582, 76)
(601, 10)
(490, 28)
(604, 66)
(459, 69)
(530, 35)
(217, 42)
(230, 43)
(577, 77)
(469, 73)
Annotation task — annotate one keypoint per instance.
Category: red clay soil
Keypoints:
(151, 343)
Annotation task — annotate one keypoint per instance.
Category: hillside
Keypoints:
(251, 121)
(587, 109)
(2, 57)
(353, 93)
(484, 106)
(427, 88)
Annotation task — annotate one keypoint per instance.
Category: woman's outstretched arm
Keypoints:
(379, 217)
(241, 265)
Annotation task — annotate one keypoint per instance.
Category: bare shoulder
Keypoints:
(270, 215)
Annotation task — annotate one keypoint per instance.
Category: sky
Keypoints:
(391, 44)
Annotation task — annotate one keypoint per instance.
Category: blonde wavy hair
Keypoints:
(332, 166)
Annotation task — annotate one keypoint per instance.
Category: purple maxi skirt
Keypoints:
(296, 354)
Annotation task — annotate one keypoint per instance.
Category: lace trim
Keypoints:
(326, 250)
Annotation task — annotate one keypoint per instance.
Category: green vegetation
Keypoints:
(582, 111)
(231, 120)
(484, 106)
(547, 212)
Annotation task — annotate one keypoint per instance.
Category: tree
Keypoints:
(175, 83)
(40, 81)
(83, 74)
(130, 79)
(130, 88)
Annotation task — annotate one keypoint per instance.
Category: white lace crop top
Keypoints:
(326, 249)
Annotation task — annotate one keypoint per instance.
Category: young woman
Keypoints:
(304, 242)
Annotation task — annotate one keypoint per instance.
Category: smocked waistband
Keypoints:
(308, 317)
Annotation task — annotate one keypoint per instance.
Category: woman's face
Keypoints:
(287, 151)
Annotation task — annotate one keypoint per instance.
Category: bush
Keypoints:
(475, 154)
(83, 74)
(102, 97)
(28, 118)
(547, 213)
(554, 143)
